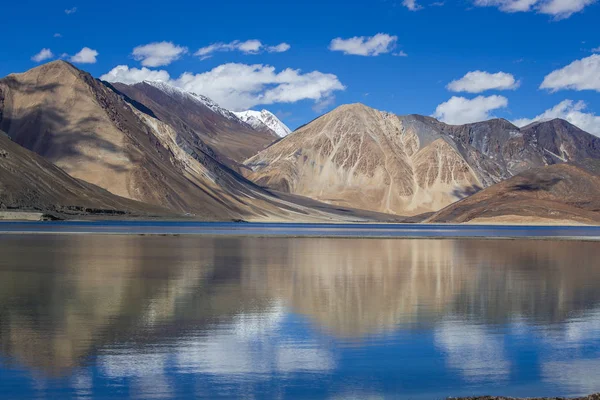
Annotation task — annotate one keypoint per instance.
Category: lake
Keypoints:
(115, 316)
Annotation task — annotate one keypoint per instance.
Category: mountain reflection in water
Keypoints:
(279, 317)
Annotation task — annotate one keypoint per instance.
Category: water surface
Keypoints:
(97, 316)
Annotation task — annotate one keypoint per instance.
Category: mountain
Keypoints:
(197, 118)
(30, 183)
(85, 128)
(99, 135)
(264, 120)
(561, 193)
(360, 157)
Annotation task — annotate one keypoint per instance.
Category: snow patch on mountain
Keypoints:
(264, 119)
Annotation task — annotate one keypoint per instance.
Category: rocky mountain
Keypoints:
(560, 193)
(93, 134)
(197, 118)
(264, 120)
(361, 157)
(30, 183)
(99, 135)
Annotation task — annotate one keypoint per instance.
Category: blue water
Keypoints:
(105, 316)
(303, 230)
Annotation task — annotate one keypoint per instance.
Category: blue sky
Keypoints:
(423, 46)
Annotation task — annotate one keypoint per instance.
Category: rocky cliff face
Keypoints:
(360, 157)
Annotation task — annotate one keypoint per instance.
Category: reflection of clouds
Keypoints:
(82, 385)
(477, 354)
(252, 344)
(577, 331)
(132, 364)
(292, 359)
(155, 387)
(580, 376)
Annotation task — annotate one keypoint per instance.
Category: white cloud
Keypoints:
(158, 54)
(570, 111)
(44, 54)
(57, 35)
(480, 81)
(252, 46)
(460, 110)
(242, 86)
(124, 74)
(560, 9)
(280, 48)
(411, 5)
(596, 50)
(365, 45)
(581, 74)
(85, 56)
(70, 10)
(401, 53)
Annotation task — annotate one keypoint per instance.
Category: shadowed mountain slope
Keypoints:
(559, 193)
(196, 117)
(97, 135)
(85, 128)
(30, 183)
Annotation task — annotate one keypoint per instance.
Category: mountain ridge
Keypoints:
(441, 163)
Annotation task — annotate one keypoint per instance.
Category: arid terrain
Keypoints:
(182, 153)
(408, 165)
(567, 193)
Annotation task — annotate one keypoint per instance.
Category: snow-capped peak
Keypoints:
(262, 119)
(205, 101)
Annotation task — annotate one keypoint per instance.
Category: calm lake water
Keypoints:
(104, 316)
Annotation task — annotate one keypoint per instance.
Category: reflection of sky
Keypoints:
(278, 354)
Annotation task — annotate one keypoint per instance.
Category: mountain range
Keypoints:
(151, 148)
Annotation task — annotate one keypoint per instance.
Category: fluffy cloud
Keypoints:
(460, 110)
(85, 56)
(480, 81)
(124, 74)
(570, 111)
(247, 47)
(44, 54)
(280, 48)
(411, 5)
(242, 86)
(71, 10)
(365, 45)
(558, 8)
(158, 54)
(596, 50)
(581, 74)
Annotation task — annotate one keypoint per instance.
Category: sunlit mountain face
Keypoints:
(212, 317)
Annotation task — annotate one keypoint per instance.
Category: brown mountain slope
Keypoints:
(197, 117)
(361, 157)
(30, 183)
(560, 193)
(85, 128)
(357, 156)
(82, 126)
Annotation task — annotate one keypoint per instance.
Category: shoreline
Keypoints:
(304, 230)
